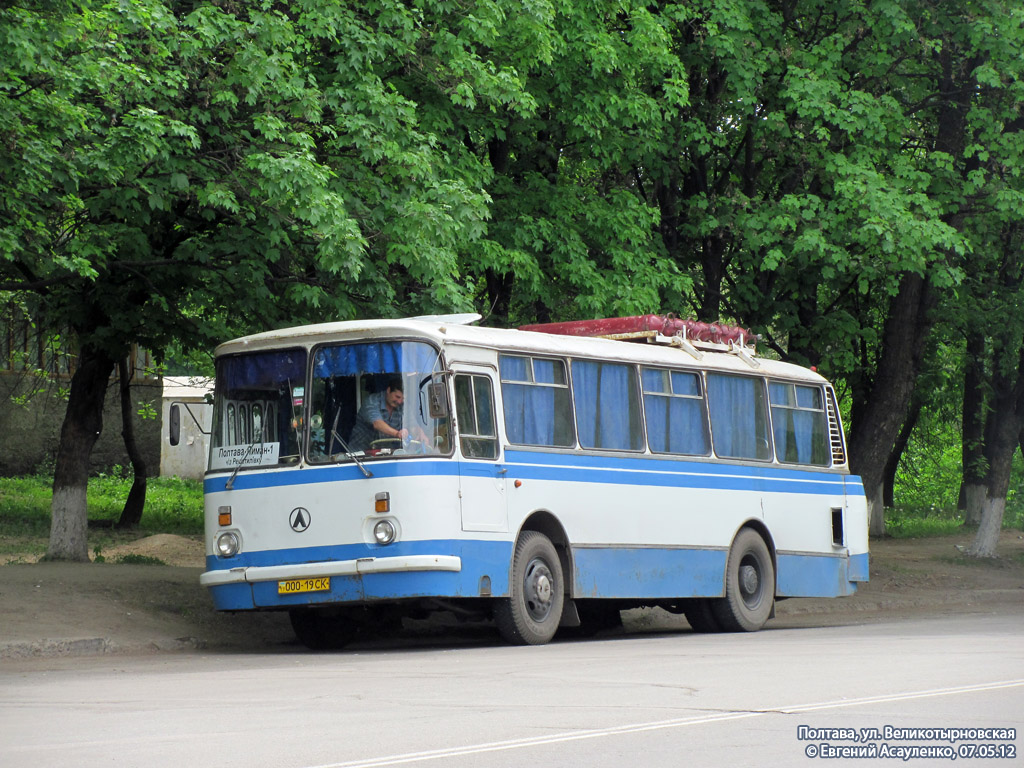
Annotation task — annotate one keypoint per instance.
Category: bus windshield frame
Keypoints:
(352, 385)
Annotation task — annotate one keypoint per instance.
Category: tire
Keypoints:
(749, 585)
(322, 630)
(531, 613)
(700, 615)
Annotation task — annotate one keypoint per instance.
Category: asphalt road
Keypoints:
(666, 699)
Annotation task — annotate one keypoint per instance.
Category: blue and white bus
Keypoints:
(545, 480)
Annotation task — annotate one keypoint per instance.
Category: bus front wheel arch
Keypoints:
(530, 615)
(749, 585)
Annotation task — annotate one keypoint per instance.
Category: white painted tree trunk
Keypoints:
(975, 495)
(987, 537)
(68, 540)
(876, 511)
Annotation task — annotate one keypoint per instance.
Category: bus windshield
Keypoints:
(258, 417)
(376, 399)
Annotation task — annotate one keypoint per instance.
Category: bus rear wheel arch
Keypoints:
(530, 615)
(749, 585)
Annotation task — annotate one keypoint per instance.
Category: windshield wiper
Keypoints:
(344, 445)
(231, 480)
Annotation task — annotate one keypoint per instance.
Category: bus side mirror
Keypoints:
(437, 400)
(174, 425)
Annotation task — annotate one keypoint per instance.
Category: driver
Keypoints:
(380, 418)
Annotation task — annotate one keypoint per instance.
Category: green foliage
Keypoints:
(182, 173)
(929, 473)
(175, 173)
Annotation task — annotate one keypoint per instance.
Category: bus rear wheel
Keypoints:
(749, 585)
(530, 615)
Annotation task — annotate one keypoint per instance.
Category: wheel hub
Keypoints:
(538, 589)
(750, 581)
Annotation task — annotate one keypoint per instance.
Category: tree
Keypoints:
(999, 366)
(571, 234)
(185, 172)
(797, 196)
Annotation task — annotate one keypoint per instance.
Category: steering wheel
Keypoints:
(410, 445)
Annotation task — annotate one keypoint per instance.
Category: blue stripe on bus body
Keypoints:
(605, 572)
(859, 567)
(311, 475)
(680, 573)
(648, 572)
(804, 575)
(575, 468)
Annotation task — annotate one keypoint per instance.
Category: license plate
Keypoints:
(295, 586)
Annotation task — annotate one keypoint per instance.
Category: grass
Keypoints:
(919, 523)
(910, 522)
(173, 505)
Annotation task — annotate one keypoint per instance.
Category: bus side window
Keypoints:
(675, 413)
(798, 424)
(474, 409)
(535, 395)
(739, 417)
(607, 403)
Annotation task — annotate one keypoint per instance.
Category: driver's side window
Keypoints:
(474, 409)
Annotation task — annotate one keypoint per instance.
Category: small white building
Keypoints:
(187, 417)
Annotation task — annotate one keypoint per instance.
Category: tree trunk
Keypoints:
(893, 464)
(974, 496)
(973, 484)
(83, 422)
(882, 409)
(1002, 433)
(876, 510)
(136, 501)
(986, 540)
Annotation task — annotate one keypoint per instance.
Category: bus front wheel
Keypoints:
(749, 585)
(322, 630)
(700, 614)
(531, 613)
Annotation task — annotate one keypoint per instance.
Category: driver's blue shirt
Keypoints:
(374, 408)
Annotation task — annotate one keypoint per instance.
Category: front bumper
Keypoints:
(357, 567)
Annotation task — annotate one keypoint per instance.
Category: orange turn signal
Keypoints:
(223, 516)
(382, 502)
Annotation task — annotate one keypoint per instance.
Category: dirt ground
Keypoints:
(55, 609)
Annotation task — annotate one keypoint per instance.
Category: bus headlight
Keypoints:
(228, 544)
(384, 531)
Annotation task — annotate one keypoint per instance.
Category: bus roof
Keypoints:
(454, 330)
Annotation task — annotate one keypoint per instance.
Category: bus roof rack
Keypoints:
(689, 335)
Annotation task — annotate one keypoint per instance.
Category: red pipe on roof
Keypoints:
(663, 324)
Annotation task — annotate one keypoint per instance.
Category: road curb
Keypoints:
(88, 646)
(92, 646)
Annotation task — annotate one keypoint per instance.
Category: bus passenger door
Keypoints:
(481, 473)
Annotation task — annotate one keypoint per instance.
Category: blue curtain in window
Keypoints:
(529, 414)
(794, 433)
(733, 403)
(675, 425)
(603, 394)
(264, 370)
(377, 357)
(803, 432)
